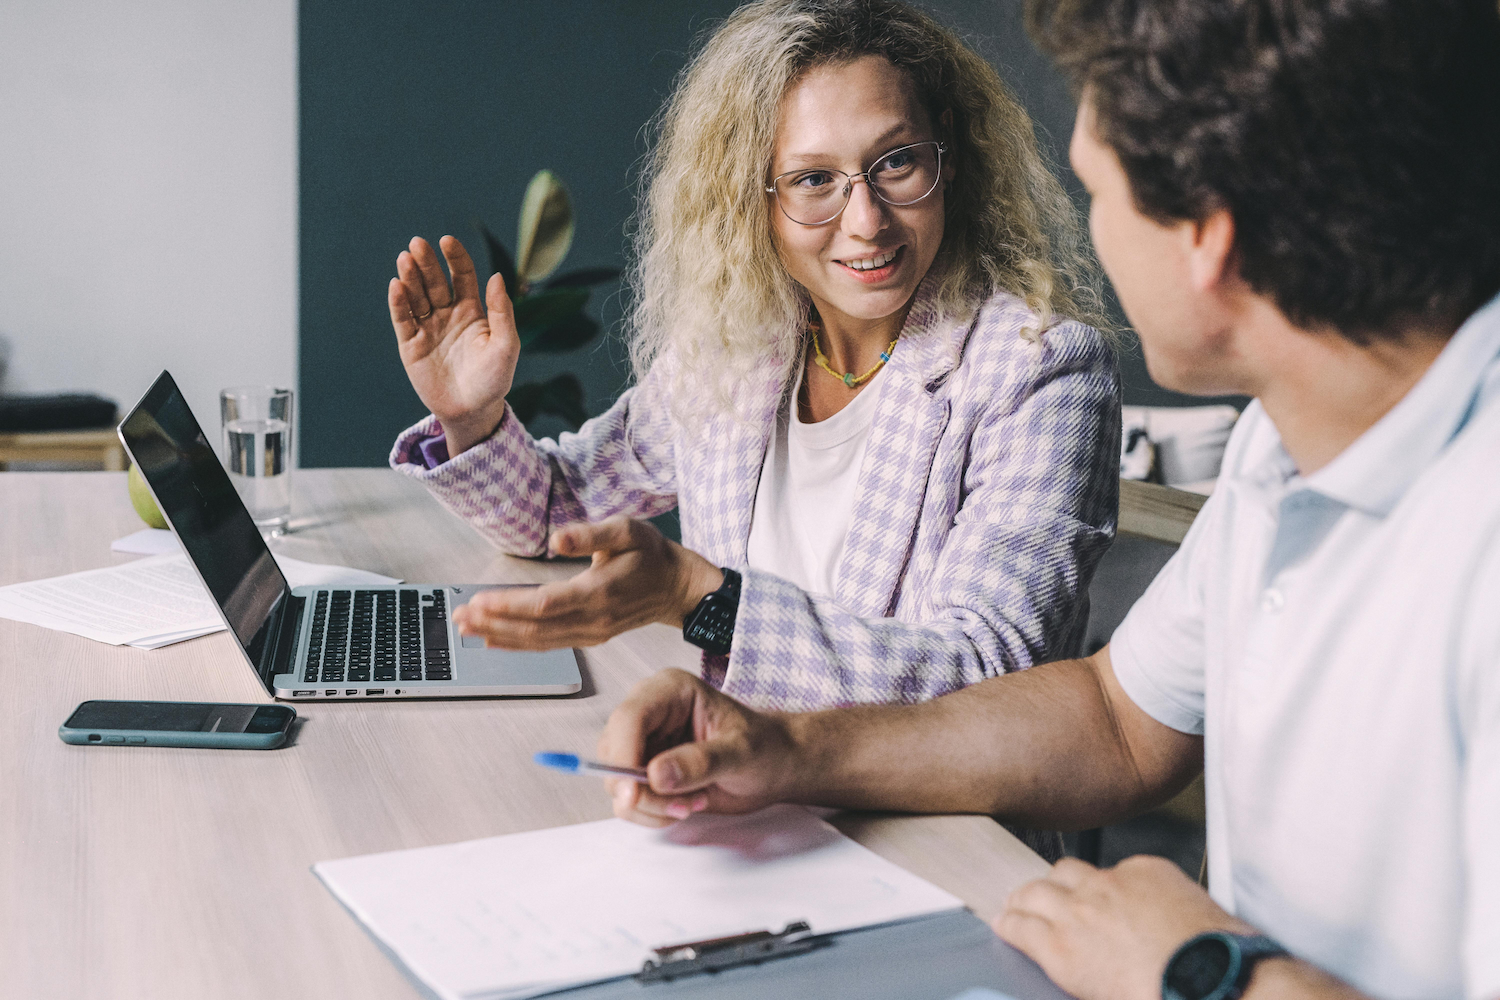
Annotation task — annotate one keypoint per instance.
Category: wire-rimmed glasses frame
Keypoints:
(874, 184)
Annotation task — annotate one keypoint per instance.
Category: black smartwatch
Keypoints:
(1215, 966)
(710, 627)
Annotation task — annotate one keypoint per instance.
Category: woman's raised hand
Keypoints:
(460, 356)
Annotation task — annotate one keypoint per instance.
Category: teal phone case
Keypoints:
(165, 738)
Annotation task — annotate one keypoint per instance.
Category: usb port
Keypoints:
(352, 691)
(370, 691)
(331, 692)
(303, 694)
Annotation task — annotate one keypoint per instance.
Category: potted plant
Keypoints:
(549, 309)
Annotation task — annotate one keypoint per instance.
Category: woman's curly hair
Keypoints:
(709, 286)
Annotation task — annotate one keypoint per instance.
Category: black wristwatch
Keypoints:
(1215, 966)
(710, 627)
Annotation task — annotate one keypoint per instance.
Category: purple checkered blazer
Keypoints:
(987, 495)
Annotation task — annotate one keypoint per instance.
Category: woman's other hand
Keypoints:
(460, 357)
(638, 577)
(702, 750)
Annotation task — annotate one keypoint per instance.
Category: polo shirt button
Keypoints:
(1272, 600)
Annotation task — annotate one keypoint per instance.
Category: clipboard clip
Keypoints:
(690, 959)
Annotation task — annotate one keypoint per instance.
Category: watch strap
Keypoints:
(1258, 946)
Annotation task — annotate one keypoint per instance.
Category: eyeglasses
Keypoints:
(816, 195)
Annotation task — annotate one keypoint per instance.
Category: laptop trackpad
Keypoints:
(462, 595)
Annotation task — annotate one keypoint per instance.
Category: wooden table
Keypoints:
(161, 873)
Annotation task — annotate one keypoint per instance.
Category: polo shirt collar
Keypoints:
(1373, 472)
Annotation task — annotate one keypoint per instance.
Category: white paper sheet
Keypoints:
(515, 916)
(147, 542)
(308, 574)
(148, 603)
(142, 601)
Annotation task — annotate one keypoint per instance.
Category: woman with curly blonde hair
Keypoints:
(863, 372)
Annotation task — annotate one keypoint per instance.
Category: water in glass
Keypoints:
(258, 453)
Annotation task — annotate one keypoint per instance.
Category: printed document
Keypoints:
(148, 603)
(531, 913)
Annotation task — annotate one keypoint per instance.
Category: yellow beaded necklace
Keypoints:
(848, 378)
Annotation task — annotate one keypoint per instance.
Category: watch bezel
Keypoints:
(1229, 987)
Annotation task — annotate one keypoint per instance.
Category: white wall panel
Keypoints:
(148, 195)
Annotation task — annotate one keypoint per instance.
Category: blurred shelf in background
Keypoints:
(98, 449)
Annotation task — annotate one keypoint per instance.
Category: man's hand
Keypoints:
(702, 750)
(638, 577)
(459, 353)
(1107, 934)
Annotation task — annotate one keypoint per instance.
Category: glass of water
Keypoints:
(258, 452)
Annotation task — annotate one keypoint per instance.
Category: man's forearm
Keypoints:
(1044, 746)
(1293, 979)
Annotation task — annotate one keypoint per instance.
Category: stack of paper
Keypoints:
(531, 913)
(148, 603)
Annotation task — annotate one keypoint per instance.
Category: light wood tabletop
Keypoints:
(163, 873)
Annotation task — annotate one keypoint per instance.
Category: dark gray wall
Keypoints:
(418, 118)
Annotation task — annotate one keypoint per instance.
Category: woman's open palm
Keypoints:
(459, 355)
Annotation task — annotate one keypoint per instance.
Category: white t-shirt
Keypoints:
(806, 494)
(1336, 640)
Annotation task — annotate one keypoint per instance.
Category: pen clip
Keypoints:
(715, 954)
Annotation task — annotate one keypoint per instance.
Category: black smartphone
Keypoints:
(178, 724)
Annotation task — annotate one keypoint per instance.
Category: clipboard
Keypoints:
(930, 958)
(608, 909)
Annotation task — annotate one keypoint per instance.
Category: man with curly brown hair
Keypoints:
(1298, 201)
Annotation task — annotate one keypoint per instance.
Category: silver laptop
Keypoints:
(364, 642)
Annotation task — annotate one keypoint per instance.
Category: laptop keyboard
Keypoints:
(366, 635)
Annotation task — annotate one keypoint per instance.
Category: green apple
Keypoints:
(142, 501)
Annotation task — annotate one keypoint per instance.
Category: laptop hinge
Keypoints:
(285, 645)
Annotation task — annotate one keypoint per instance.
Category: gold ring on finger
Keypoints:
(424, 315)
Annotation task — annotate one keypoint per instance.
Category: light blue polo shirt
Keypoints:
(1336, 640)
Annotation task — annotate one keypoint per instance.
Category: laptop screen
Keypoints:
(201, 504)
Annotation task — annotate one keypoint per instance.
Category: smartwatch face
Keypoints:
(712, 628)
(1201, 971)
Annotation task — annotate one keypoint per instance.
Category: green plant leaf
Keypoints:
(567, 334)
(537, 312)
(499, 259)
(584, 277)
(545, 231)
(561, 396)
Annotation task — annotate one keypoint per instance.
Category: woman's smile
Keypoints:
(873, 268)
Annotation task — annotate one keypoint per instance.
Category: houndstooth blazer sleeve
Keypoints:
(515, 490)
(1017, 495)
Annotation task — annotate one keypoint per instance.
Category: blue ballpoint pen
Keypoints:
(573, 764)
